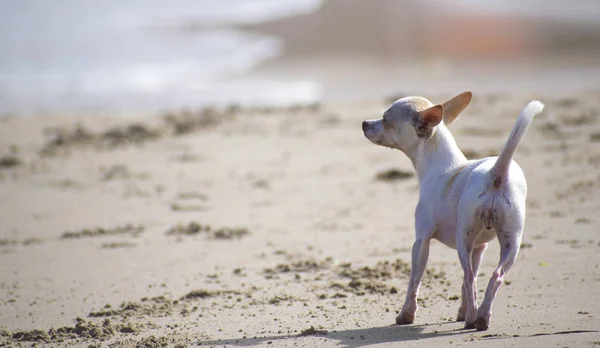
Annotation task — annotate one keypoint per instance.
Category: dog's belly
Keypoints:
(446, 235)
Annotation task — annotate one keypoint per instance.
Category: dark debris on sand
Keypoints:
(82, 329)
(130, 229)
(10, 161)
(174, 124)
(203, 294)
(178, 123)
(311, 331)
(162, 306)
(79, 136)
(345, 279)
(188, 121)
(194, 228)
(393, 175)
(371, 279)
(300, 266)
(191, 229)
(229, 233)
(374, 279)
(334, 281)
(154, 342)
(155, 306)
(7, 242)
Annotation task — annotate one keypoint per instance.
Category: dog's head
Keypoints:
(411, 120)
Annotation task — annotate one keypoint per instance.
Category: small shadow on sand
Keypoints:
(353, 338)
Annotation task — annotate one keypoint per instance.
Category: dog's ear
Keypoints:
(432, 116)
(428, 119)
(454, 106)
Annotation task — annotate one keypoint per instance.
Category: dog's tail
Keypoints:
(502, 164)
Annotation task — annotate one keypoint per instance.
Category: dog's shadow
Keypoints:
(354, 338)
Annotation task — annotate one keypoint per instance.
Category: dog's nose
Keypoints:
(365, 125)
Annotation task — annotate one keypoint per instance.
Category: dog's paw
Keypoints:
(405, 319)
(469, 325)
(482, 324)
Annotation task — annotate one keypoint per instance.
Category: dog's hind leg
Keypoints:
(467, 230)
(475, 262)
(510, 241)
(425, 229)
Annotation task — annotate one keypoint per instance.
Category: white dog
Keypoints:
(463, 204)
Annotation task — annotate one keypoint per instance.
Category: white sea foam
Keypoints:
(77, 54)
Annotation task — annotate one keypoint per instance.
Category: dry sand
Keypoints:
(279, 226)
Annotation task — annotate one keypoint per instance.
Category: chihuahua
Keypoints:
(463, 204)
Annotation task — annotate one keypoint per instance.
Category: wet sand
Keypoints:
(277, 226)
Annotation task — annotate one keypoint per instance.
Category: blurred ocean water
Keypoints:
(139, 56)
(130, 55)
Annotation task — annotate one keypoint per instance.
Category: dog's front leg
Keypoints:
(420, 254)
(424, 228)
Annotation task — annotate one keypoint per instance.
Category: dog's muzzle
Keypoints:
(365, 126)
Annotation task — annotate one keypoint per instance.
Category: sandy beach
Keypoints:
(253, 212)
(283, 226)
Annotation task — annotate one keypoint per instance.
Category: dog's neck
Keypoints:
(436, 155)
